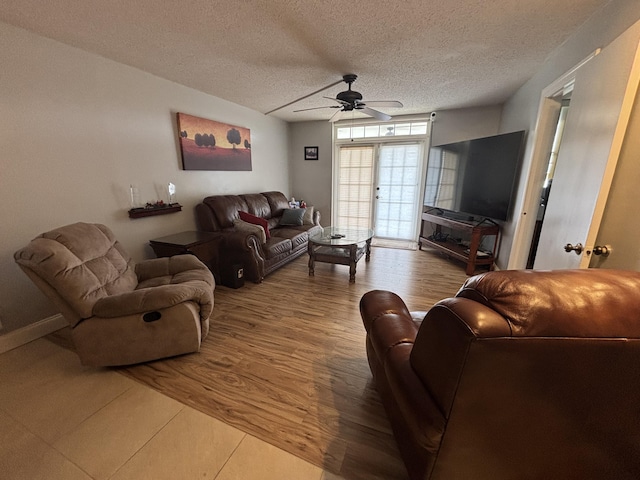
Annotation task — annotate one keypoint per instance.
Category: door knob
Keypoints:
(575, 248)
(603, 250)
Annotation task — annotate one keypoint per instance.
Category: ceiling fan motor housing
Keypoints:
(349, 96)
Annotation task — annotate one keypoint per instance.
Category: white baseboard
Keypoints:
(27, 334)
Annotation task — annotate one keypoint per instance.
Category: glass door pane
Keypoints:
(397, 191)
(355, 187)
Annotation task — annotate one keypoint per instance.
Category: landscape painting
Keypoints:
(209, 145)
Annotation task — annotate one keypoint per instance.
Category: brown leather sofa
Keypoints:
(220, 213)
(523, 375)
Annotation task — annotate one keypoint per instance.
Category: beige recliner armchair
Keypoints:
(120, 312)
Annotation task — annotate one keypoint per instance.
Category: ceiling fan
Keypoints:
(348, 101)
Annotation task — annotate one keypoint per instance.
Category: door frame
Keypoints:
(375, 180)
(547, 119)
(423, 139)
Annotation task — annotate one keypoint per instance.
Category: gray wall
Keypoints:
(463, 124)
(76, 130)
(311, 180)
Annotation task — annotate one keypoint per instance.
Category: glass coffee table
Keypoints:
(341, 246)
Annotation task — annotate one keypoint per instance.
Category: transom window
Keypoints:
(384, 130)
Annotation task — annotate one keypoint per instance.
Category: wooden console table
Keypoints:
(468, 255)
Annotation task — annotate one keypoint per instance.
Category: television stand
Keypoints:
(468, 255)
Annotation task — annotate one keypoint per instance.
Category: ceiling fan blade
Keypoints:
(341, 102)
(317, 108)
(374, 113)
(336, 116)
(302, 98)
(384, 103)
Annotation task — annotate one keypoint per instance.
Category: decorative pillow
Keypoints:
(307, 219)
(257, 230)
(292, 216)
(247, 217)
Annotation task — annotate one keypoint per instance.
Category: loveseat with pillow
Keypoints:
(261, 232)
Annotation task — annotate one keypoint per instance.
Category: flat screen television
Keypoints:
(474, 178)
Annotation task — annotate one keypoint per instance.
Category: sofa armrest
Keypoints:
(443, 342)
(156, 298)
(241, 240)
(170, 266)
(439, 344)
(415, 403)
(205, 218)
(244, 247)
(391, 331)
(376, 303)
(387, 321)
(242, 226)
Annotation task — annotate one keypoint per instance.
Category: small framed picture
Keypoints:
(310, 153)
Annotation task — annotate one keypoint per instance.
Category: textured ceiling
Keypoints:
(265, 53)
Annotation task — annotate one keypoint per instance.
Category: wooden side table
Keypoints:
(204, 245)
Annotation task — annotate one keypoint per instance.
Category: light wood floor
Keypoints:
(285, 360)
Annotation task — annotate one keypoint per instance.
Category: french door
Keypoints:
(378, 186)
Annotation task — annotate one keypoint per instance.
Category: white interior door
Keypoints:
(397, 191)
(604, 91)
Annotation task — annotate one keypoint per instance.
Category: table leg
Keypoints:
(312, 259)
(368, 251)
(352, 263)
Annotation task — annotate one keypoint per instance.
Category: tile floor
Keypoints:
(60, 420)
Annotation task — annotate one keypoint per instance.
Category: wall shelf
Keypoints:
(151, 211)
